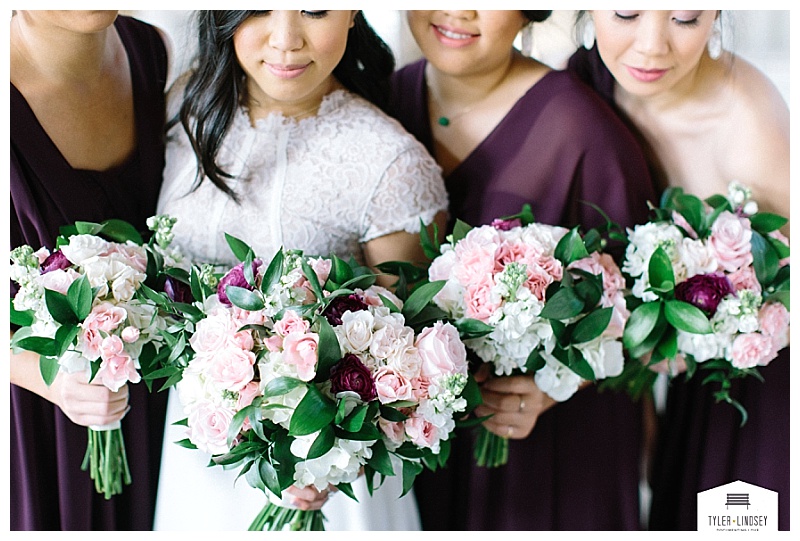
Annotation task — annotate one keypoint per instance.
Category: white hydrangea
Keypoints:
(341, 464)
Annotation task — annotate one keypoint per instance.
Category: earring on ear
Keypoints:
(526, 37)
(588, 34)
(715, 41)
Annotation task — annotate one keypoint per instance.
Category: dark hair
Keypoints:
(537, 16)
(216, 85)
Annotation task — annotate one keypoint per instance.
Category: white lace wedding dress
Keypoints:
(323, 184)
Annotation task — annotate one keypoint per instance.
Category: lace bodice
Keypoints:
(324, 184)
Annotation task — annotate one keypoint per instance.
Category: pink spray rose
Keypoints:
(291, 322)
(300, 349)
(730, 241)
(117, 367)
(208, 426)
(421, 432)
(232, 368)
(773, 319)
(752, 349)
(392, 386)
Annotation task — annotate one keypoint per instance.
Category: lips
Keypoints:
(454, 37)
(287, 71)
(646, 75)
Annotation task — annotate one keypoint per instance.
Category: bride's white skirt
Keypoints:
(194, 496)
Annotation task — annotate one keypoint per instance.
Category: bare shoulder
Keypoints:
(757, 137)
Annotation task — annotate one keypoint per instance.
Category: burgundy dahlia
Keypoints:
(235, 277)
(55, 261)
(704, 291)
(340, 305)
(350, 374)
(177, 291)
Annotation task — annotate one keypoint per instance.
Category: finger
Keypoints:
(483, 373)
(510, 385)
(502, 401)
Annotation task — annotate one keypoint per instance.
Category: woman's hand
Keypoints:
(307, 498)
(515, 403)
(88, 404)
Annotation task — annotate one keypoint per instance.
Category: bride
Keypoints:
(280, 140)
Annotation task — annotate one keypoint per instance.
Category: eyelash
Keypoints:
(315, 14)
(628, 18)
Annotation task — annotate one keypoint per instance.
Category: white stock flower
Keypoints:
(72, 361)
(341, 464)
(557, 380)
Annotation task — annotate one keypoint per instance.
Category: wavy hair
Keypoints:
(216, 87)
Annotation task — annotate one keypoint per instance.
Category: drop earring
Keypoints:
(588, 34)
(715, 41)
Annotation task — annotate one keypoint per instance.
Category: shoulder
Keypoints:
(376, 129)
(147, 44)
(409, 75)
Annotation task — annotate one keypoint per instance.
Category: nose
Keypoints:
(462, 14)
(285, 31)
(652, 36)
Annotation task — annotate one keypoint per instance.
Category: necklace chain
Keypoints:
(445, 120)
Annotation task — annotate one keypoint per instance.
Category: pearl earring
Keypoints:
(715, 41)
(588, 34)
(526, 39)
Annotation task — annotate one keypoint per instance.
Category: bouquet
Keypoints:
(83, 308)
(304, 372)
(711, 288)
(532, 298)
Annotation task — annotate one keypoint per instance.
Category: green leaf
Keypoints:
(667, 347)
(391, 414)
(311, 276)
(765, 259)
(765, 222)
(782, 297)
(590, 289)
(268, 475)
(564, 304)
(535, 362)
(244, 298)
(313, 412)
(380, 460)
(48, 368)
(195, 285)
(239, 248)
(659, 269)
(570, 248)
(525, 216)
(430, 245)
(472, 328)
(22, 318)
(329, 351)
(685, 317)
(186, 444)
(280, 386)
(348, 490)
(59, 308)
(579, 365)
(389, 304)
(592, 326)
(322, 443)
(410, 472)
(340, 270)
(37, 344)
(692, 209)
(247, 269)
(82, 228)
(421, 297)
(354, 421)
(120, 231)
(79, 296)
(640, 323)
(64, 337)
(472, 394)
(718, 201)
(460, 230)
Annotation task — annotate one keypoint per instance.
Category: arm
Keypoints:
(85, 404)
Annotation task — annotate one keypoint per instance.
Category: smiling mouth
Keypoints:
(287, 71)
(453, 35)
(646, 75)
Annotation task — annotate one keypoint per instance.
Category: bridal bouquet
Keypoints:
(302, 372)
(83, 308)
(712, 282)
(532, 298)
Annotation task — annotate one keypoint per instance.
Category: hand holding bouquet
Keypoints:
(711, 280)
(532, 298)
(303, 372)
(82, 309)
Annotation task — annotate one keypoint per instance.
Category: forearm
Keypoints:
(24, 372)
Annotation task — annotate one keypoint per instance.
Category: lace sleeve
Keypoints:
(410, 188)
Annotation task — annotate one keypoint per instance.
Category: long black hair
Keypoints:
(216, 85)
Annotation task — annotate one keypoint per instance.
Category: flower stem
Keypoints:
(107, 461)
(491, 450)
(275, 518)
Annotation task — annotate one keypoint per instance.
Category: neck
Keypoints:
(261, 105)
(456, 91)
(59, 54)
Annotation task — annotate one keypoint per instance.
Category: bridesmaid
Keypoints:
(507, 130)
(705, 118)
(87, 119)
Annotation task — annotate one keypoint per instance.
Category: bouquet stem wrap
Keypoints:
(491, 450)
